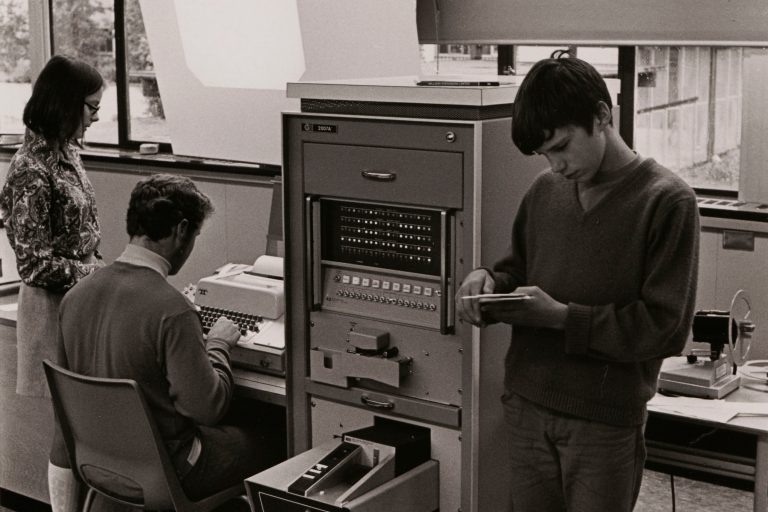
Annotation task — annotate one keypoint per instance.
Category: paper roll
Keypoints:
(268, 266)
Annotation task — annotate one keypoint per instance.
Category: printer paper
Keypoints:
(268, 266)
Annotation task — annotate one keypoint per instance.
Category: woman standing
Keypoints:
(49, 210)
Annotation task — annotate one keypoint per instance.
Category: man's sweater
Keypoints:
(627, 269)
(126, 321)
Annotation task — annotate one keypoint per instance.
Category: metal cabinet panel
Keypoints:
(425, 178)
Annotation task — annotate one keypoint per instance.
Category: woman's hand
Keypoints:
(93, 260)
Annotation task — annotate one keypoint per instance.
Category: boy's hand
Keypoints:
(478, 282)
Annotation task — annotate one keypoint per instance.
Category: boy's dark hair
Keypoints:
(161, 201)
(556, 92)
(55, 109)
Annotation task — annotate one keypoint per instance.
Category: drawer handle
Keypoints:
(379, 176)
(377, 404)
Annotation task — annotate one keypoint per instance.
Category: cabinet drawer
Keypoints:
(384, 403)
(425, 178)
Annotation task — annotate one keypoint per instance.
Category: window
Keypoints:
(15, 78)
(688, 112)
(477, 59)
(458, 59)
(604, 58)
(132, 111)
(83, 29)
(147, 120)
(687, 100)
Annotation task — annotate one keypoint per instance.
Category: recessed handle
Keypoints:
(379, 175)
(376, 404)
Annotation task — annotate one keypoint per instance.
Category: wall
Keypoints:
(8, 271)
(237, 232)
(753, 186)
(722, 272)
(26, 428)
(232, 59)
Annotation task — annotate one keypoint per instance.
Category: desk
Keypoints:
(26, 423)
(259, 386)
(248, 384)
(717, 459)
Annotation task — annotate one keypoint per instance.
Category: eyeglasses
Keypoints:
(93, 108)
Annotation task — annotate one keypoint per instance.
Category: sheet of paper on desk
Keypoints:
(713, 410)
(702, 408)
(750, 408)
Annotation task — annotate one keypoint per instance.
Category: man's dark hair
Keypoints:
(55, 109)
(159, 202)
(555, 93)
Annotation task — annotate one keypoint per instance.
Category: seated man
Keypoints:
(127, 321)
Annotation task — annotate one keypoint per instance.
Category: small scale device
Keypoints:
(253, 297)
(712, 373)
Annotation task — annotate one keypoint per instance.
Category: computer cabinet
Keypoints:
(384, 216)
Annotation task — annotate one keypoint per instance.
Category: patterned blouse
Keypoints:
(49, 209)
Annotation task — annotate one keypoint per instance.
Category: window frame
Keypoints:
(627, 72)
(124, 140)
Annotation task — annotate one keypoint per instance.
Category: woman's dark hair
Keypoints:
(556, 92)
(55, 109)
(161, 201)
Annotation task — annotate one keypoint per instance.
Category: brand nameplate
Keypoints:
(325, 128)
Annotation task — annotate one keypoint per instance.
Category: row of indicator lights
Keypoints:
(385, 234)
(385, 224)
(387, 285)
(410, 258)
(384, 213)
(389, 245)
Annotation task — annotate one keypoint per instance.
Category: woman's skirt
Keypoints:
(37, 324)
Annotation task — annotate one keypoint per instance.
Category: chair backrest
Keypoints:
(112, 439)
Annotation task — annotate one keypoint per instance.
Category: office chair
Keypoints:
(112, 439)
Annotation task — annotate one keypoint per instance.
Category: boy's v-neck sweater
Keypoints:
(627, 270)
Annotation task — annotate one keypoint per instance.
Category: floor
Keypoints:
(236, 505)
(690, 496)
(656, 496)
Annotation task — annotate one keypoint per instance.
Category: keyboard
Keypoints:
(246, 323)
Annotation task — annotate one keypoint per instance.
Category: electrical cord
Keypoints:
(757, 369)
(672, 487)
(755, 372)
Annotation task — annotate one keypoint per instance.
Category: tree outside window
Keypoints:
(147, 118)
(85, 29)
